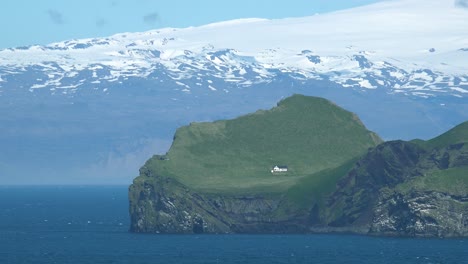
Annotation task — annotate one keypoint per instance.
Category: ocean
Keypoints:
(89, 224)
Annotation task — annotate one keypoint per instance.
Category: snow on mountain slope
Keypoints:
(417, 47)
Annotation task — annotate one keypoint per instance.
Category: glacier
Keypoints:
(408, 46)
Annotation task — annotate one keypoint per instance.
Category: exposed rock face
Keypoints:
(387, 165)
(370, 197)
(167, 206)
(421, 214)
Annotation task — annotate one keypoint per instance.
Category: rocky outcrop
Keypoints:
(163, 205)
(371, 196)
(387, 165)
(420, 214)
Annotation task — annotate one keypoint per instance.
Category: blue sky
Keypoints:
(27, 22)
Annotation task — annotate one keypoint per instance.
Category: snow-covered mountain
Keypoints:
(416, 47)
(402, 65)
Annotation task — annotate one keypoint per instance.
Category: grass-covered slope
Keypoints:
(307, 134)
(449, 173)
(456, 135)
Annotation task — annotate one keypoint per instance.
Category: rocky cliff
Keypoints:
(163, 205)
(403, 189)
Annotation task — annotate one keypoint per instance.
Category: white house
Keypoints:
(279, 169)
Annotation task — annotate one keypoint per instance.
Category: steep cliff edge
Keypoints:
(167, 206)
(216, 178)
(407, 189)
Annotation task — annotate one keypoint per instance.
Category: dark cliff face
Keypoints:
(163, 205)
(386, 165)
(389, 192)
(420, 214)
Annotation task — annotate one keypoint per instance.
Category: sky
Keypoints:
(30, 22)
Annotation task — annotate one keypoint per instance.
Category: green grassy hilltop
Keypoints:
(307, 134)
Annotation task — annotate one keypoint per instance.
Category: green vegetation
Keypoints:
(310, 135)
(458, 134)
(453, 181)
(313, 189)
(454, 178)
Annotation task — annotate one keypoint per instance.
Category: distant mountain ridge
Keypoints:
(353, 48)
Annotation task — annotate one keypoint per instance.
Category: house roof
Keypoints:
(282, 166)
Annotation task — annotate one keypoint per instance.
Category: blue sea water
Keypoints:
(90, 225)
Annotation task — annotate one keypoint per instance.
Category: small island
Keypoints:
(230, 176)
